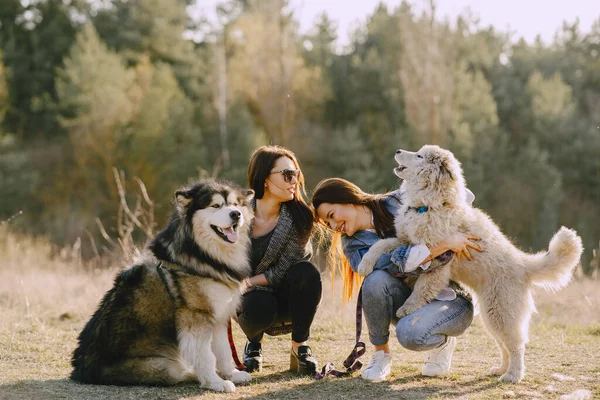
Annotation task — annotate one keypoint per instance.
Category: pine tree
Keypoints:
(34, 37)
(318, 45)
(95, 96)
(268, 72)
(4, 95)
(93, 90)
(343, 155)
(551, 100)
(136, 28)
(474, 110)
(162, 128)
(429, 54)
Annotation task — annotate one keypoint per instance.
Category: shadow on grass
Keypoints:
(407, 387)
(68, 389)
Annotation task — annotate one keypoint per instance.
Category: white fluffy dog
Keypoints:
(435, 207)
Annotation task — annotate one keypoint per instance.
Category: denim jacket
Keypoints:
(401, 261)
(405, 260)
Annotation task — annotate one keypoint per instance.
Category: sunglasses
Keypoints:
(288, 174)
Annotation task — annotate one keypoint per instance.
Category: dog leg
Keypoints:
(493, 327)
(195, 338)
(377, 250)
(506, 315)
(501, 369)
(426, 288)
(514, 337)
(516, 364)
(220, 347)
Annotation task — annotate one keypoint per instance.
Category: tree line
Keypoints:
(88, 86)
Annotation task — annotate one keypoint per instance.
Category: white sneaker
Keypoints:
(379, 367)
(440, 359)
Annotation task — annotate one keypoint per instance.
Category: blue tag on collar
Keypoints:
(422, 209)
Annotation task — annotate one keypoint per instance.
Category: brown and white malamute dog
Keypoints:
(434, 208)
(165, 319)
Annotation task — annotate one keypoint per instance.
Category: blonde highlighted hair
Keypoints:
(338, 261)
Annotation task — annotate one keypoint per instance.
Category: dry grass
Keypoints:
(46, 297)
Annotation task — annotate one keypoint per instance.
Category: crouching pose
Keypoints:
(284, 290)
(360, 220)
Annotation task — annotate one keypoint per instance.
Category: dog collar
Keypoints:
(419, 210)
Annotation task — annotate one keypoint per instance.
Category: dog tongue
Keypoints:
(231, 235)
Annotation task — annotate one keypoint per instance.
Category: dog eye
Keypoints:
(216, 206)
(419, 156)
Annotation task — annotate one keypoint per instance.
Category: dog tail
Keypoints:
(553, 269)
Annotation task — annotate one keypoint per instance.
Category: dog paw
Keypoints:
(240, 377)
(405, 310)
(365, 267)
(401, 312)
(510, 378)
(497, 370)
(221, 386)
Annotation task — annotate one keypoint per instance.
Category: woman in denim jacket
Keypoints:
(360, 219)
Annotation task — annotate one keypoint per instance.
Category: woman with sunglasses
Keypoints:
(285, 286)
(358, 220)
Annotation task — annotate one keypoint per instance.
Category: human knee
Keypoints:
(258, 308)
(410, 336)
(305, 275)
(374, 286)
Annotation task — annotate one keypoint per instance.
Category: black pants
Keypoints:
(296, 300)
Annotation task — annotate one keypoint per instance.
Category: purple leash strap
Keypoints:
(351, 362)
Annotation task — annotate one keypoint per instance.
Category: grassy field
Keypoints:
(46, 296)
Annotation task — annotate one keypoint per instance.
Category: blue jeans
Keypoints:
(425, 329)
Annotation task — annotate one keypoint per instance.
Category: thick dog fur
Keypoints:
(165, 319)
(501, 276)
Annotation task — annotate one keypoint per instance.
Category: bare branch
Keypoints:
(93, 243)
(103, 231)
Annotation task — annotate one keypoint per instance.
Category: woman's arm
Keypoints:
(293, 252)
(257, 280)
(355, 247)
(459, 243)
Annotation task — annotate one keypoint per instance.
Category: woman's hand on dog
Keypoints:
(246, 284)
(256, 280)
(459, 243)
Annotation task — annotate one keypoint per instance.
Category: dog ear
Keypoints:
(183, 198)
(248, 194)
(441, 168)
(446, 169)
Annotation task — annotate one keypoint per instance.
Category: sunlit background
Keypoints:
(108, 106)
(151, 93)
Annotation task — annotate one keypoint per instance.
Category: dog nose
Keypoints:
(398, 151)
(235, 215)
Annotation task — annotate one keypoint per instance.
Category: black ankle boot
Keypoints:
(304, 362)
(253, 357)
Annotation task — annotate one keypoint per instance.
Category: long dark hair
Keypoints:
(341, 191)
(261, 163)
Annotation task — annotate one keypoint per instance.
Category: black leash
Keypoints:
(351, 363)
